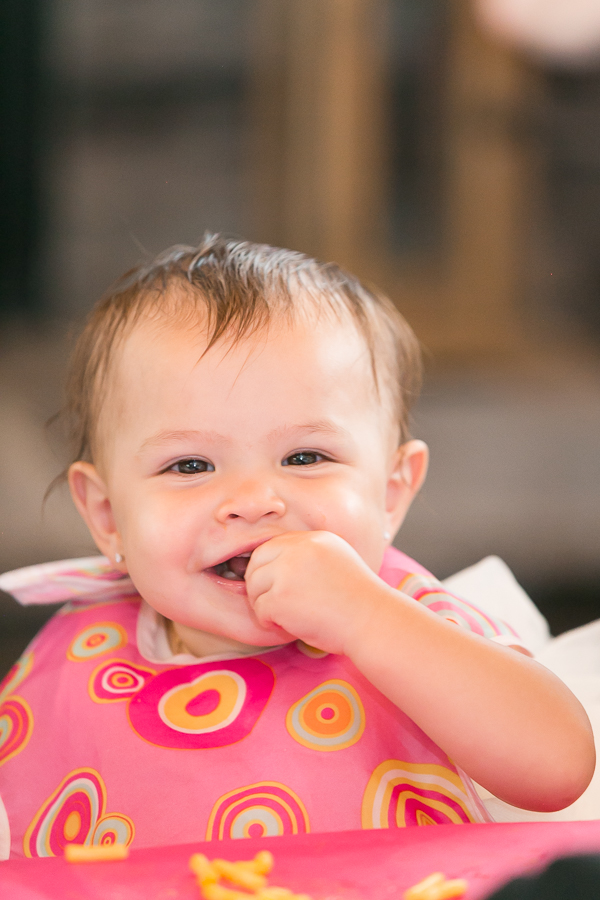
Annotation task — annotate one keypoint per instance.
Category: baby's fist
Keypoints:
(312, 584)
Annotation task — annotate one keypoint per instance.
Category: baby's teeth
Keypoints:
(229, 574)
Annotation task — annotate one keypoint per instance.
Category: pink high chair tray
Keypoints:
(351, 865)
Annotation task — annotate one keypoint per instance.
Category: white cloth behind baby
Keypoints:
(573, 656)
(491, 586)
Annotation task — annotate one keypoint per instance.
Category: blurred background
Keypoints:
(439, 148)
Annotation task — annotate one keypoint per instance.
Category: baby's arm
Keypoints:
(503, 718)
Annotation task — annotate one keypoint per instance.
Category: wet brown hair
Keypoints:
(239, 287)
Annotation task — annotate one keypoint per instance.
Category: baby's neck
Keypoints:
(183, 639)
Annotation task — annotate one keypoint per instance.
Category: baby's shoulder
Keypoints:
(90, 579)
(99, 614)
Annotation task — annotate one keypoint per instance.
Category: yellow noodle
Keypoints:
(239, 874)
(76, 853)
(436, 887)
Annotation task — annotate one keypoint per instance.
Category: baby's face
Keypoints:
(206, 457)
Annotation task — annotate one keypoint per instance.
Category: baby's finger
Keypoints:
(265, 553)
(258, 581)
(263, 610)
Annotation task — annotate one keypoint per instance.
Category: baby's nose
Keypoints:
(252, 501)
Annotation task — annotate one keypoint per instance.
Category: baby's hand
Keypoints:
(312, 584)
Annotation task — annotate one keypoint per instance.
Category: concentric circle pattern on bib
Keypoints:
(117, 680)
(96, 640)
(16, 725)
(74, 814)
(402, 793)
(17, 674)
(430, 593)
(257, 810)
(68, 816)
(204, 705)
(330, 717)
(113, 829)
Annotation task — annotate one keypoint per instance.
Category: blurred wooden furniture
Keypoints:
(321, 173)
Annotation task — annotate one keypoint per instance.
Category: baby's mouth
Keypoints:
(234, 569)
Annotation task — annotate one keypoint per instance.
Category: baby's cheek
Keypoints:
(154, 547)
(161, 522)
(363, 528)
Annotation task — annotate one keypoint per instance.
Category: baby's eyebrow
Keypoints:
(322, 426)
(167, 437)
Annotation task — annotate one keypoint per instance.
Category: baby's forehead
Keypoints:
(188, 322)
(172, 346)
(160, 351)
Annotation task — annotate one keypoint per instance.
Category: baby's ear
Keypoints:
(90, 496)
(408, 471)
(413, 458)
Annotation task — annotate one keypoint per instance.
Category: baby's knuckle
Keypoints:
(320, 539)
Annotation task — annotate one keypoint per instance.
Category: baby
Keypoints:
(253, 657)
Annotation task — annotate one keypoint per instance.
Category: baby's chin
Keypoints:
(263, 638)
(245, 642)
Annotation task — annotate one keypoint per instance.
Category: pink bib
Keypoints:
(99, 745)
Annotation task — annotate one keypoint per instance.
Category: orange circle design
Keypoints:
(99, 638)
(330, 717)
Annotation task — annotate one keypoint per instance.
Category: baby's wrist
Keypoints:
(363, 634)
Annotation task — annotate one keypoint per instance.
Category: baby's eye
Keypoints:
(192, 467)
(303, 458)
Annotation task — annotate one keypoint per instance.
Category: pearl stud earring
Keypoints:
(118, 558)
(386, 535)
